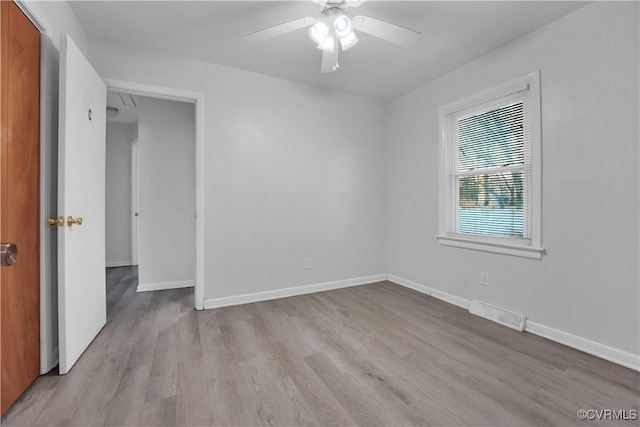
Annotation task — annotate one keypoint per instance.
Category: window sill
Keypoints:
(493, 247)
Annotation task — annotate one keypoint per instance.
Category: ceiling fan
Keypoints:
(334, 30)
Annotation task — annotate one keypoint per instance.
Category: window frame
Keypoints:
(530, 247)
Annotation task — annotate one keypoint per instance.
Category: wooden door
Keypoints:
(82, 292)
(19, 201)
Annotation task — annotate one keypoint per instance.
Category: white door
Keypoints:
(134, 203)
(81, 194)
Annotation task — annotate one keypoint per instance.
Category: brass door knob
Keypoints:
(71, 221)
(59, 221)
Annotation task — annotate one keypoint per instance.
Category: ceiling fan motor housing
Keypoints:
(338, 3)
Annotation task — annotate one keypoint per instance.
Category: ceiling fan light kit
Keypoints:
(349, 41)
(334, 25)
(321, 34)
(334, 29)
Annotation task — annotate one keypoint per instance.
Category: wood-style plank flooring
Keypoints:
(369, 355)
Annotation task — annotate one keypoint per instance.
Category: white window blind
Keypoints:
(490, 174)
(489, 168)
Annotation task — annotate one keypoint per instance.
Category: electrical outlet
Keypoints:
(308, 264)
(484, 278)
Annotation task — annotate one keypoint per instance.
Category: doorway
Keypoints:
(197, 99)
(151, 208)
(134, 202)
(122, 132)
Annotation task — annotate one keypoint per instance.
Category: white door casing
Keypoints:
(81, 193)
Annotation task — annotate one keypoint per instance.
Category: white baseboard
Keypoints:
(600, 350)
(146, 287)
(444, 296)
(594, 348)
(118, 263)
(290, 292)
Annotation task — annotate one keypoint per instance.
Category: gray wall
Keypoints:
(118, 192)
(291, 171)
(588, 283)
(166, 193)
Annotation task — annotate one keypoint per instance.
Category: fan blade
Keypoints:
(277, 30)
(330, 61)
(385, 30)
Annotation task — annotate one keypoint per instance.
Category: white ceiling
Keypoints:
(454, 32)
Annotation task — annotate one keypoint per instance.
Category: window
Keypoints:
(491, 163)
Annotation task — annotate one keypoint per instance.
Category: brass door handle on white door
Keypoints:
(59, 221)
(71, 220)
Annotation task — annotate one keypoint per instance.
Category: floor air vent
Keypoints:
(504, 317)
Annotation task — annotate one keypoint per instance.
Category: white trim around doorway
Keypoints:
(197, 99)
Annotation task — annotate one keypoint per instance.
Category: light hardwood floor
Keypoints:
(369, 355)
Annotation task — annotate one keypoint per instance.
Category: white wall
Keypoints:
(118, 192)
(166, 193)
(291, 171)
(56, 17)
(588, 283)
